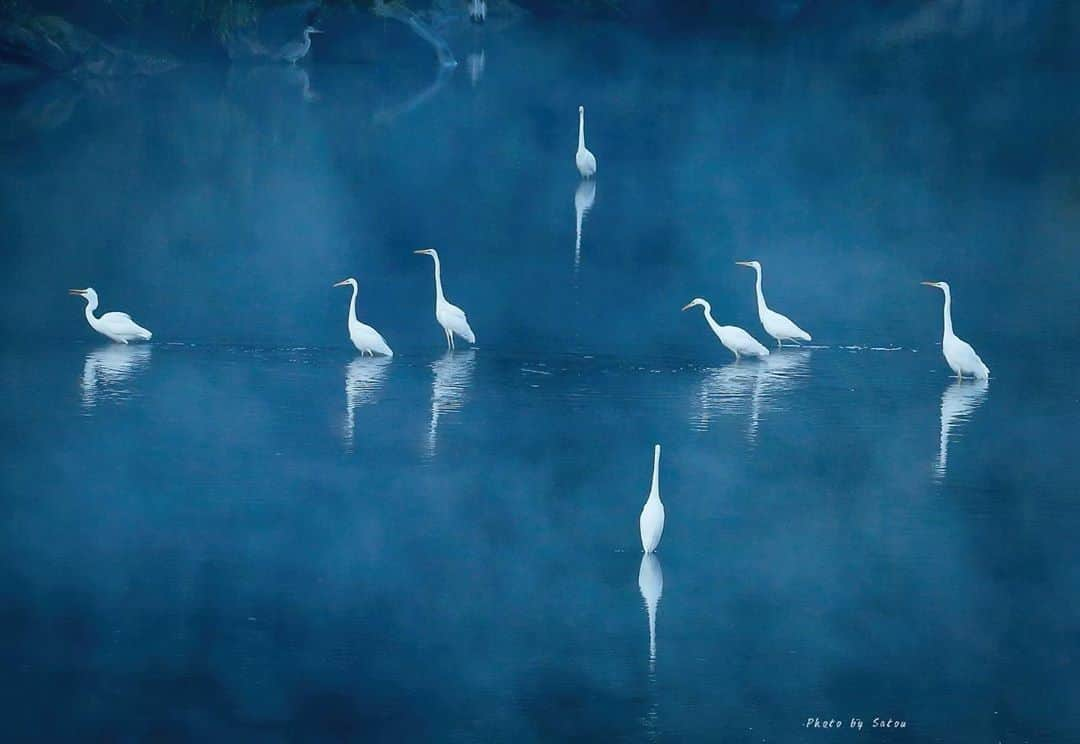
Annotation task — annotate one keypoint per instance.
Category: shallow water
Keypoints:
(242, 531)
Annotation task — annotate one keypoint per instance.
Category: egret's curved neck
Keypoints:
(581, 131)
(352, 305)
(656, 472)
(439, 296)
(761, 306)
(948, 313)
(91, 306)
(710, 320)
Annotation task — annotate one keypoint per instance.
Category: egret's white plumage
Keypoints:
(450, 317)
(365, 338)
(958, 353)
(780, 327)
(651, 521)
(586, 161)
(735, 339)
(118, 327)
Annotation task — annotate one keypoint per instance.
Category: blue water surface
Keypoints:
(243, 531)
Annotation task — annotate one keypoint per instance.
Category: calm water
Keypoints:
(244, 532)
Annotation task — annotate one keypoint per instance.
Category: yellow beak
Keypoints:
(687, 307)
(342, 283)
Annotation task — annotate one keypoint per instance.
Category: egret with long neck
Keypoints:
(586, 161)
(296, 50)
(780, 327)
(735, 339)
(118, 327)
(651, 521)
(959, 355)
(449, 316)
(365, 338)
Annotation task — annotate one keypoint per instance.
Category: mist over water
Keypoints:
(243, 531)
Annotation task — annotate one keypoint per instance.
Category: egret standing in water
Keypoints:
(365, 338)
(958, 353)
(734, 339)
(780, 327)
(586, 161)
(651, 521)
(117, 326)
(450, 317)
(296, 50)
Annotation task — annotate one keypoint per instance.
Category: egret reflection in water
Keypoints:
(475, 62)
(453, 374)
(363, 379)
(742, 388)
(958, 402)
(584, 198)
(651, 585)
(108, 372)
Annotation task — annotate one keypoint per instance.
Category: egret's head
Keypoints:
(427, 252)
(312, 30)
(350, 282)
(696, 302)
(752, 264)
(581, 109)
(944, 286)
(87, 294)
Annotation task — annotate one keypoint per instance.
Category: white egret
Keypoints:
(650, 583)
(780, 327)
(958, 402)
(365, 338)
(958, 353)
(651, 521)
(118, 327)
(450, 317)
(584, 198)
(586, 161)
(735, 339)
(295, 50)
